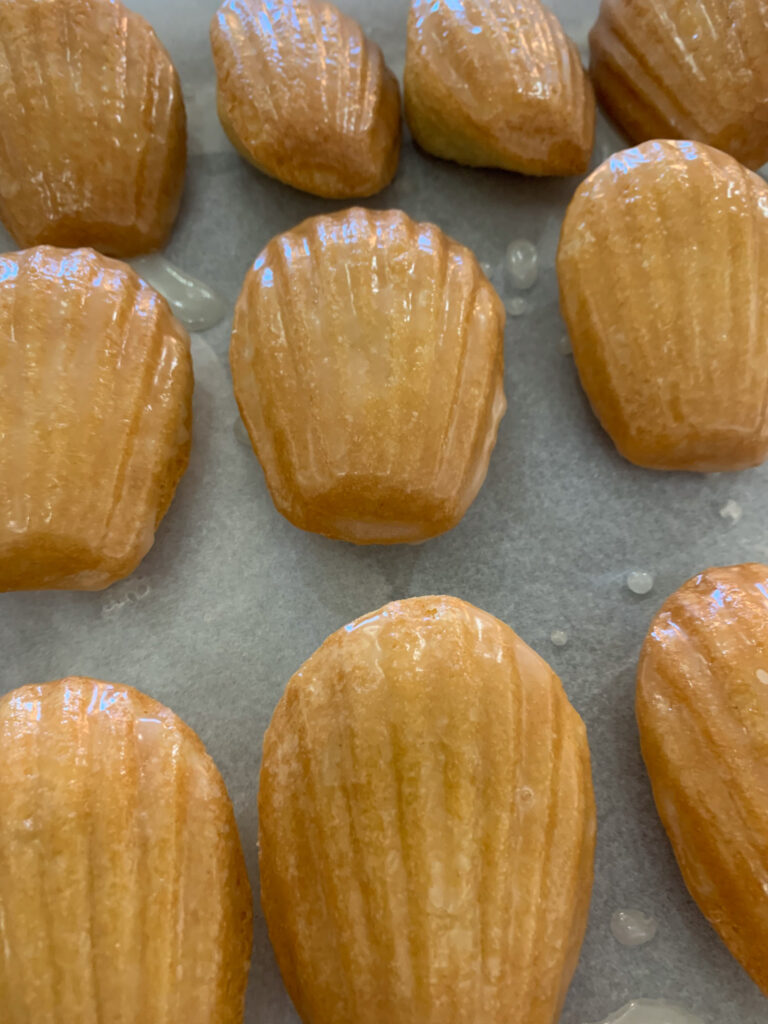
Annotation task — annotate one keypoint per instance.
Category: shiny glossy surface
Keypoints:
(123, 892)
(306, 97)
(651, 1011)
(367, 358)
(686, 69)
(663, 267)
(426, 824)
(521, 264)
(702, 707)
(633, 928)
(193, 302)
(95, 418)
(240, 598)
(92, 127)
(497, 83)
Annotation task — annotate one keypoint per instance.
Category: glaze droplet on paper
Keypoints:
(559, 637)
(517, 306)
(732, 512)
(131, 592)
(196, 305)
(641, 582)
(633, 927)
(651, 1011)
(522, 264)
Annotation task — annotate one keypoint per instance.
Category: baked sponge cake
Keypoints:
(95, 418)
(497, 83)
(92, 127)
(426, 824)
(685, 70)
(306, 97)
(367, 359)
(663, 268)
(123, 889)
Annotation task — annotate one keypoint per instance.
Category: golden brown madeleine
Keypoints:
(702, 706)
(123, 889)
(306, 97)
(497, 83)
(427, 824)
(686, 69)
(92, 127)
(95, 418)
(663, 267)
(367, 358)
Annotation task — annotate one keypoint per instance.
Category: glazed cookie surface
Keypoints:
(427, 824)
(686, 69)
(367, 358)
(92, 127)
(702, 706)
(123, 890)
(95, 418)
(306, 97)
(663, 267)
(497, 83)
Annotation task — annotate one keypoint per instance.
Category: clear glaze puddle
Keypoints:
(732, 512)
(633, 927)
(522, 264)
(517, 306)
(652, 1011)
(641, 582)
(196, 305)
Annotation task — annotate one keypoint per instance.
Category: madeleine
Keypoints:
(663, 268)
(427, 824)
(95, 418)
(306, 97)
(367, 358)
(498, 83)
(694, 70)
(123, 890)
(702, 706)
(92, 127)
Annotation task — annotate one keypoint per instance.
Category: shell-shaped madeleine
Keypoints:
(497, 83)
(663, 268)
(686, 69)
(123, 889)
(427, 824)
(702, 707)
(305, 96)
(95, 418)
(367, 358)
(92, 127)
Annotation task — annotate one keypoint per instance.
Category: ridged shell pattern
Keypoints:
(687, 69)
(663, 268)
(92, 127)
(497, 83)
(702, 706)
(367, 357)
(123, 892)
(305, 96)
(426, 824)
(95, 418)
